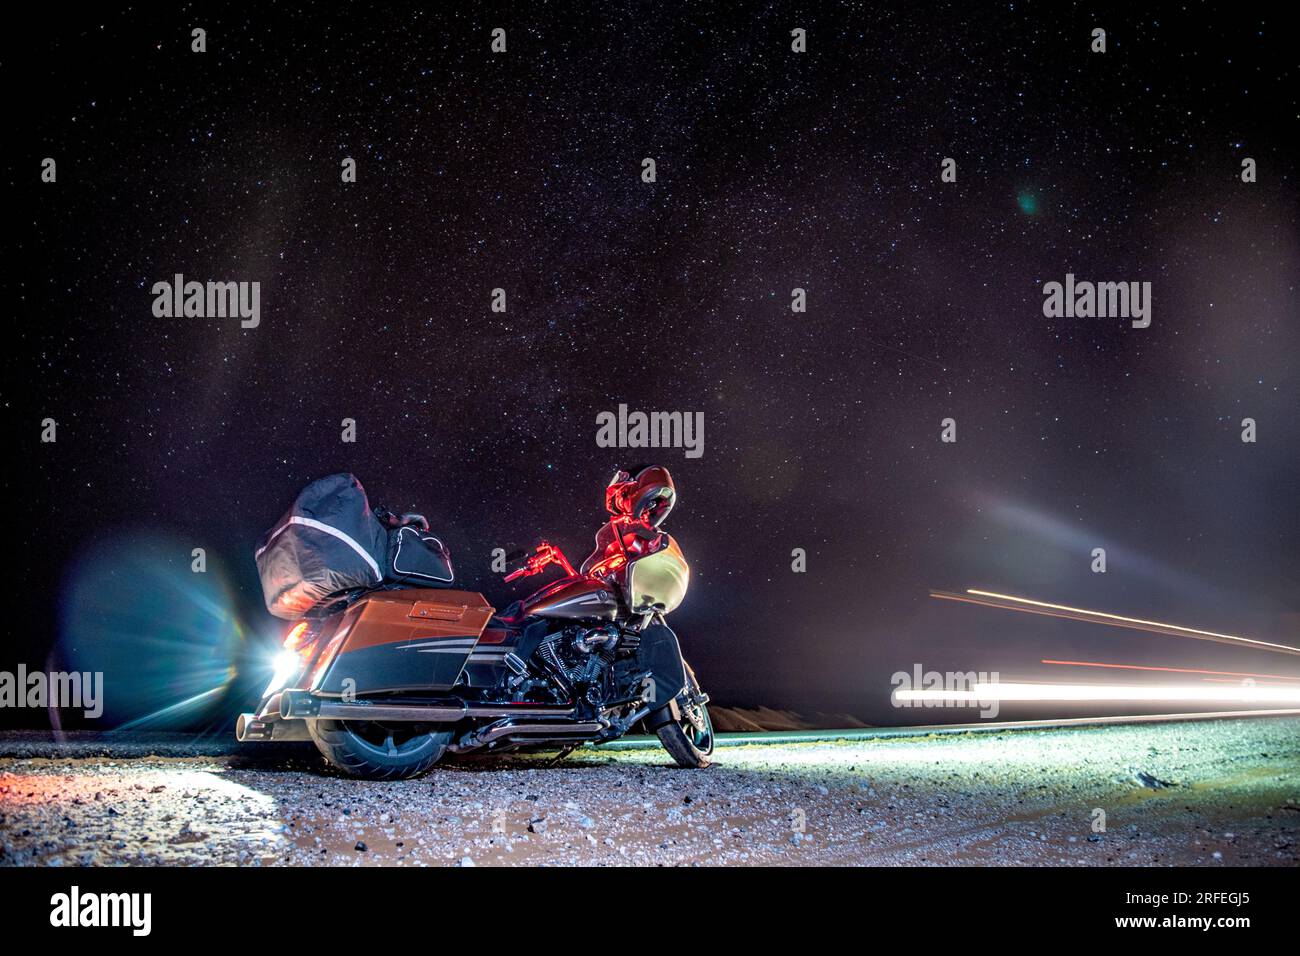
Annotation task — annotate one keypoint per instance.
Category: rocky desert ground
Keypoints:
(1204, 793)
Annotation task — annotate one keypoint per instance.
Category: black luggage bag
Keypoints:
(328, 541)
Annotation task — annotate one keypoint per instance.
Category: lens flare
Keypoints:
(164, 636)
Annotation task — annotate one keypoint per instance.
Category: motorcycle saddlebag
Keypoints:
(328, 541)
(408, 639)
(417, 557)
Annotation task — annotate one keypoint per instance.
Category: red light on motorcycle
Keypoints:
(295, 634)
(609, 565)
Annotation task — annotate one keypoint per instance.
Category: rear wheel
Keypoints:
(379, 751)
(689, 740)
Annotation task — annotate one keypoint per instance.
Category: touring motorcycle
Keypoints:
(387, 679)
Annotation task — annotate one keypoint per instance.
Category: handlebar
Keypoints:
(545, 555)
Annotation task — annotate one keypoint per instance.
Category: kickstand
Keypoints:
(561, 755)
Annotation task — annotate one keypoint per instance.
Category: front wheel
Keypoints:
(689, 739)
(379, 751)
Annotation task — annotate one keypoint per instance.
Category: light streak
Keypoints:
(1172, 670)
(1224, 680)
(1028, 605)
(987, 692)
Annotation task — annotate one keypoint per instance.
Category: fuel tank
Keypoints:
(577, 598)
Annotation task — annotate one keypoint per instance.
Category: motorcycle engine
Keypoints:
(578, 658)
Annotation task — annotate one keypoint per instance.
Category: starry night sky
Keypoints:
(776, 170)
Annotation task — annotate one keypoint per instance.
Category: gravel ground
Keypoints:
(1214, 793)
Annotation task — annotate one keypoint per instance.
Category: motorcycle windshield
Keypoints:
(658, 581)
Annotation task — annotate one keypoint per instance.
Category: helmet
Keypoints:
(648, 497)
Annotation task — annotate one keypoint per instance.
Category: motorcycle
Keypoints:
(385, 680)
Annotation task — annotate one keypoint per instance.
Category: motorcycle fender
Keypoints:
(661, 655)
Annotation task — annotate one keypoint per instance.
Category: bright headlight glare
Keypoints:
(286, 666)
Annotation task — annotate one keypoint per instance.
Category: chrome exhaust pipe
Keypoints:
(249, 729)
(305, 707)
(301, 705)
(538, 732)
(390, 712)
